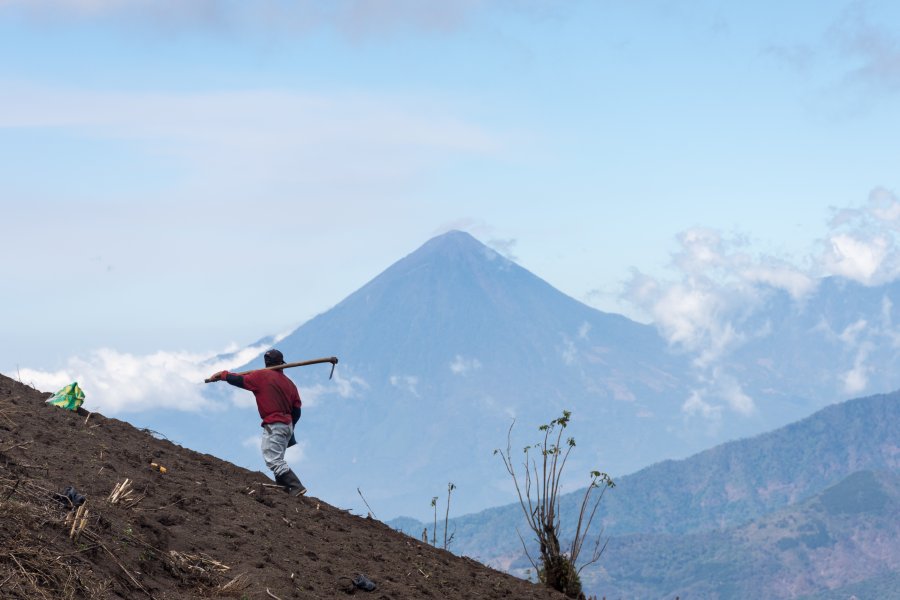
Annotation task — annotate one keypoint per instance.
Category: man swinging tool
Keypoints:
(279, 404)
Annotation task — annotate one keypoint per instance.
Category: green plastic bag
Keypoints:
(70, 397)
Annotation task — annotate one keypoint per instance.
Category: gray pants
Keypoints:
(274, 442)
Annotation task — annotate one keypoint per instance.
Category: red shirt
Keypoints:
(275, 395)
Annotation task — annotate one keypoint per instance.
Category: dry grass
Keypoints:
(31, 565)
(50, 551)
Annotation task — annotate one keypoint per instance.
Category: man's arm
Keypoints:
(235, 380)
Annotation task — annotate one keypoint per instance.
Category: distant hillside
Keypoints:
(204, 528)
(711, 493)
(884, 585)
(844, 536)
(722, 487)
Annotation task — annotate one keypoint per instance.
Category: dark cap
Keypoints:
(273, 357)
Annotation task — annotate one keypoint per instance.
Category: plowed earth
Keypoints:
(203, 529)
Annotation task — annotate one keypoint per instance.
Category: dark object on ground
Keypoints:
(70, 498)
(363, 583)
(360, 582)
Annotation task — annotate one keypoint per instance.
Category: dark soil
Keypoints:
(203, 529)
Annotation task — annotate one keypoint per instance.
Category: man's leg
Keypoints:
(274, 443)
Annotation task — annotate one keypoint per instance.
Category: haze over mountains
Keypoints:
(443, 349)
(733, 521)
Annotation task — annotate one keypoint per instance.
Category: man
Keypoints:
(279, 404)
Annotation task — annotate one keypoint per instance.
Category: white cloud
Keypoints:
(717, 393)
(504, 247)
(857, 378)
(355, 19)
(343, 384)
(862, 242)
(584, 330)
(736, 398)
(719, 286)
(462, 365)
(296, 453)
(240, 400)
(254, 441)
(696, 405)
(120, 382)
(261, 139)
(707, 310)
(854, 258)
(852, 332)
(569, 351)
(784, 277)
(887, 322)
(405, 382)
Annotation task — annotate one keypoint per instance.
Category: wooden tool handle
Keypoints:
(331, 359)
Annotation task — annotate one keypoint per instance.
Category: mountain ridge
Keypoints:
(840, 538)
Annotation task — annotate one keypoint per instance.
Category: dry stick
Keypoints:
(116, 560)
(371, 512)
(13, 490)
(161, 507)
(271, 594)
(27, 575)
(11, 422)
(233, 582)
(76, 521)
(450, 488)
(21, 445)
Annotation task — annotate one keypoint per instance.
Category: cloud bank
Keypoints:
(355, 19)
(707, 309)
(117, 383)
(120, 382)
(261, 137)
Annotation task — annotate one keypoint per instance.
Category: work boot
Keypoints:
(290, 483)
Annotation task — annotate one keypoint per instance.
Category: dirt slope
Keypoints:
(204, 528)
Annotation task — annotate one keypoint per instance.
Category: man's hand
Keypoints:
(220, 376)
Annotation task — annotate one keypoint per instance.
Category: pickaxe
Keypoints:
(331, 359)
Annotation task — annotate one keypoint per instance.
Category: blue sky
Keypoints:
(180, 178)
